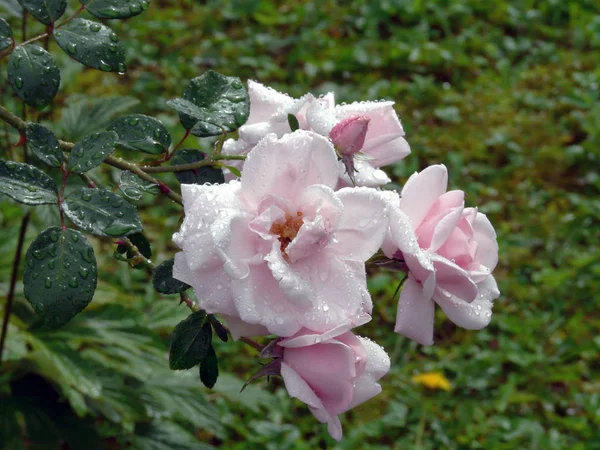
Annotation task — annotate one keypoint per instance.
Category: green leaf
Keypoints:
(164, 282)
(27, 184)
(46, 11)
(142, 133)
(44, 144)
(102, 212)
(92, 44)
(209, 368)
(6, 35)
(33, 75)
(212, 103)
(293, 121)
(218, 327)
(142, 244)
(190, 342)
(60, 274)
(133, 186)
(91, 151)
(207, 174)
(115, 9)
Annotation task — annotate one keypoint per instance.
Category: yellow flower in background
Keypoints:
(432, 380)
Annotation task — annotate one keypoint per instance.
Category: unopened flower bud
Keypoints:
(348, 136)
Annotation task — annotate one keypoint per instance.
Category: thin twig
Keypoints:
(13, 281)
(194, 165)
(117, 162)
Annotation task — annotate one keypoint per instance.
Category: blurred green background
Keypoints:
(506, 94)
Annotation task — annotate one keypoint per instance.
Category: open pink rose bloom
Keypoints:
(282, 250)
(382, 144)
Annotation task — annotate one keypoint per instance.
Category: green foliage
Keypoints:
(133, 187)
(61, 274)
(46, 11)
(190, 342)
(164, 282)
(26, 184)
(209, 368)
(211, 104)
(91, 151)
(92, 44)
(44, 144)
(101, 212)
(201, 175)
(140, 242)
(293, 121)
(142, 133)
(33, 75)
(115, 9)
(6, 35)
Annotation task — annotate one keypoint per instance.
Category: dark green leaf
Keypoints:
(233, 170)
(207, 174)
(27, 184)
(133, 186)
(44, 144)
(102, 212)
(164, 282)
(92, 44)
(115, 9)
(190, 342)
(218, 327)
(91, 151)
(6, 35)
(142, 133)
(33, 75)
(46, 11)
(209, 368)
(212, 103)
(142, 244)
(60, 274)
(293, 121)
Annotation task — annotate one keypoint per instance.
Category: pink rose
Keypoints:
(332, 374)
(450, 252)
(383, 142)
(280, 250)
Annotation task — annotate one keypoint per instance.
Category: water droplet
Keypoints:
(72, 48)
(75, 237)
(134, 121)
(86, 196)
(121, 68)
(47, 283)
(36, 50)
(73, 282)
(95, 27)
(113, 37)
(104, 66)
(30, 263)
(84, 272)
(38, 254)
(52, 264)
(19, 82)
(88, 255)
(54, 236)
(31, 188)
(236, 84)
(135, 8)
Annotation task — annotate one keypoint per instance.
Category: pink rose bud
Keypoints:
(348, 136)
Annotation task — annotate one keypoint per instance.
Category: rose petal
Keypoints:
(329, 370)
(363, 225)
(474, 315)
(239, 328)
(453, 279)
(265, 101)
(277, 166)
(485, 235)
(421, 191)
(414, 318)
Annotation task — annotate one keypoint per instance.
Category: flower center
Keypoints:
(287, 230)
